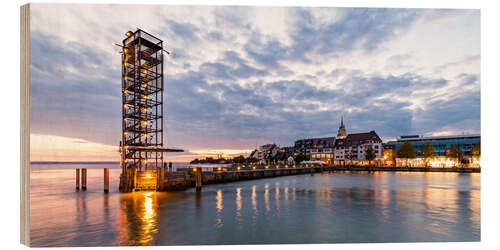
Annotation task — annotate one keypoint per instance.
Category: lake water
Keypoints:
(334, 207)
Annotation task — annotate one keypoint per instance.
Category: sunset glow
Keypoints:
(60, 148)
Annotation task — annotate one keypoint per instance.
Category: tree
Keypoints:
(427, 152)
(476, 150)
(370, 154)
(251, 160)
(239, 159)
(406, 151)
(455, 152)
(300, 158)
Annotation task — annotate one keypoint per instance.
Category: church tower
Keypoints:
(342, 133)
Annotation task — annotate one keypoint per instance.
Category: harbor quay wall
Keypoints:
(181, 180)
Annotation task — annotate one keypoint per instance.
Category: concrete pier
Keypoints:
(181, 180)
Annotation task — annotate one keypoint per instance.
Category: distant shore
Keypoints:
(409, 169)
(371, 168)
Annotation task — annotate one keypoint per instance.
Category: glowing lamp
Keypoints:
(129, 33)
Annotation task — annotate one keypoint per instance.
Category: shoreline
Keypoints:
(411, 169)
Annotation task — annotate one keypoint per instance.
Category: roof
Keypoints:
(412, 138)
(358, 138)
(316, 141)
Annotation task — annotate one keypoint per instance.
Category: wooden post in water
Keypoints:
(77, 179)
(160, 177)
(197, 176)
(84, 179)
(106, 180)
(135, 179)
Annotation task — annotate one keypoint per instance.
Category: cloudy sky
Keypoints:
(245, 76)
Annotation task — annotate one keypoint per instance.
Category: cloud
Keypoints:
(232, 83)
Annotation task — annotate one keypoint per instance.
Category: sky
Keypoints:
(239, 77)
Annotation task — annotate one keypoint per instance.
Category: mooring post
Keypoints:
(106, 180)
(197, 175)
(77, 179)
(160, 178)
(135, 179)
(84, 179)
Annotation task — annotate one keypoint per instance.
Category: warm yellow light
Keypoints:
(267, 167)
(125, 105)
(195, 169)
(148, 176)
(238, 168)
(129, 33)
(219, 168)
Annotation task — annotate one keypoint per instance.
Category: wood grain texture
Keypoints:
(25, 123)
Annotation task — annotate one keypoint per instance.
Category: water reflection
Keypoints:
(254, 201)
(239, 219)
(142, 223)
(219, 206)
(277, 197)
(339, 207)
(266, 197)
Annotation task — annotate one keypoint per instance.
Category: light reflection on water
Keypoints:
(329, 207)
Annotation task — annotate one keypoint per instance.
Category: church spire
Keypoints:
(342, 132)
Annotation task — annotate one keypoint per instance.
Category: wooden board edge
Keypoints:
(25, 123)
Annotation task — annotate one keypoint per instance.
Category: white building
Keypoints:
(353, 147)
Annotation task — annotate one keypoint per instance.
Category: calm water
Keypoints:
(323, 208)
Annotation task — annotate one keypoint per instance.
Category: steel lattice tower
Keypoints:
(142, 151)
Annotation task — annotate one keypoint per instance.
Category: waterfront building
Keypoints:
(388, 155)
(440, 144)
(353, 148)
(266, 152)
(318, 149)
(331, 150)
